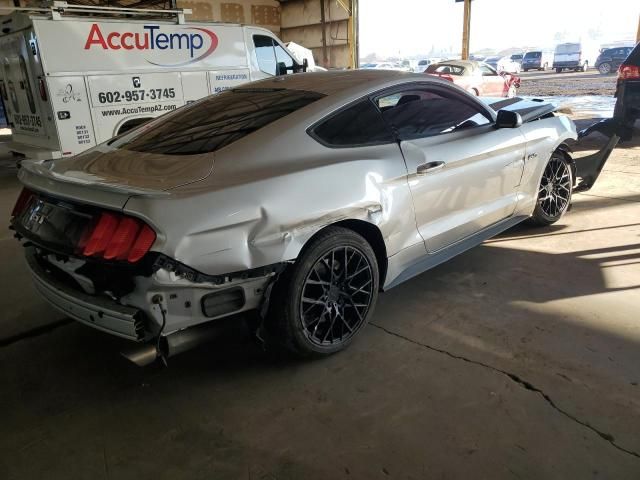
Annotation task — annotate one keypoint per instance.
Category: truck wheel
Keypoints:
(526, 70)
(554, 191)
(326, 298)
(558, 70)
(605, 68)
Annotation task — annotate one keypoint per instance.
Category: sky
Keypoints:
(411, 27)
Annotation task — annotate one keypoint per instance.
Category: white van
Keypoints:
(578, 56)
(537, 60)
(69, 82)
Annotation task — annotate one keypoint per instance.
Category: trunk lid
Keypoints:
(123, 171)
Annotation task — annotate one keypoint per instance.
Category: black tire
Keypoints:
(604, 68)
(554, 191)
(317, 308)
(526, 70)
(558, 70)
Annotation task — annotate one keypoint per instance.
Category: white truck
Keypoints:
(578, 56)
(70, 82)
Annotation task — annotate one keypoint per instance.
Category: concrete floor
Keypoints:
(518, 359)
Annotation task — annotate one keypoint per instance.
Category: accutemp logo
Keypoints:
(193, 40)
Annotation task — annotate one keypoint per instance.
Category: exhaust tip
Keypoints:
(142, 355)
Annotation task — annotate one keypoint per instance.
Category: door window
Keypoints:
(269, 54)
(283, 57)
(422, 113)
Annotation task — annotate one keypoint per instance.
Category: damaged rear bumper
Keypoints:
(138, 315)
(100, 313)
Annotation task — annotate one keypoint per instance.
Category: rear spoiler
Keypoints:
(40, 169)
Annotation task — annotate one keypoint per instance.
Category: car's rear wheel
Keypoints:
(604, 68)
(327, 297)
(554, 191)
(558, 70)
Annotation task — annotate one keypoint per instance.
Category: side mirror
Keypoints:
(305, 64)
(281, 68)
(508, 119)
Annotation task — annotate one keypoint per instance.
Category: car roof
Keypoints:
(336, 82)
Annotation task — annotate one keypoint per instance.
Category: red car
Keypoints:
(476, 78)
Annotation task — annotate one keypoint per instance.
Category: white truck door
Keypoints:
(24, 99)
(72, 113)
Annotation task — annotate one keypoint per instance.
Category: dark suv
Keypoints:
(611, 58)
(627, 108)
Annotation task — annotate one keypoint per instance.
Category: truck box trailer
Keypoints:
(70, 82)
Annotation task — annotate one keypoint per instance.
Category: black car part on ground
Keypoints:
(619, 127)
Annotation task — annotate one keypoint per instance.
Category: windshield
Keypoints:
(447, 69)
(568, 48)
(533, 55)
(215, 122)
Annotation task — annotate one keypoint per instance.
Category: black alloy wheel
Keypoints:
(327, 296)
(336, 296)
(554, 192)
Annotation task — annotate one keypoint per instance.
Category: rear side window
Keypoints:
(215, 122)
(356, 126)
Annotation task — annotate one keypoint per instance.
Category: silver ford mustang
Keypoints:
(297, 198)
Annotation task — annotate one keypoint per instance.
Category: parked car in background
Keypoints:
(391, 175)
(611, 58)
(537, 60)
(477, 78)
(423, 64)
(517, 57)
(493, 62)
(578, 56)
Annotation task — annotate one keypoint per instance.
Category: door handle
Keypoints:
(429, 167)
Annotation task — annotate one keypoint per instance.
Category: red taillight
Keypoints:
(22, 202)
(101, 234)
(122, 239)
(117, 237)
(145, 239)
(629, 72)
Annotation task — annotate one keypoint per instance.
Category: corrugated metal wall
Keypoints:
(302, 22)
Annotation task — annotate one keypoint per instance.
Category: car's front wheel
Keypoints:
(327, 297)
(554, 191)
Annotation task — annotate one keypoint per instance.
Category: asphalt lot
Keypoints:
(517, 359)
